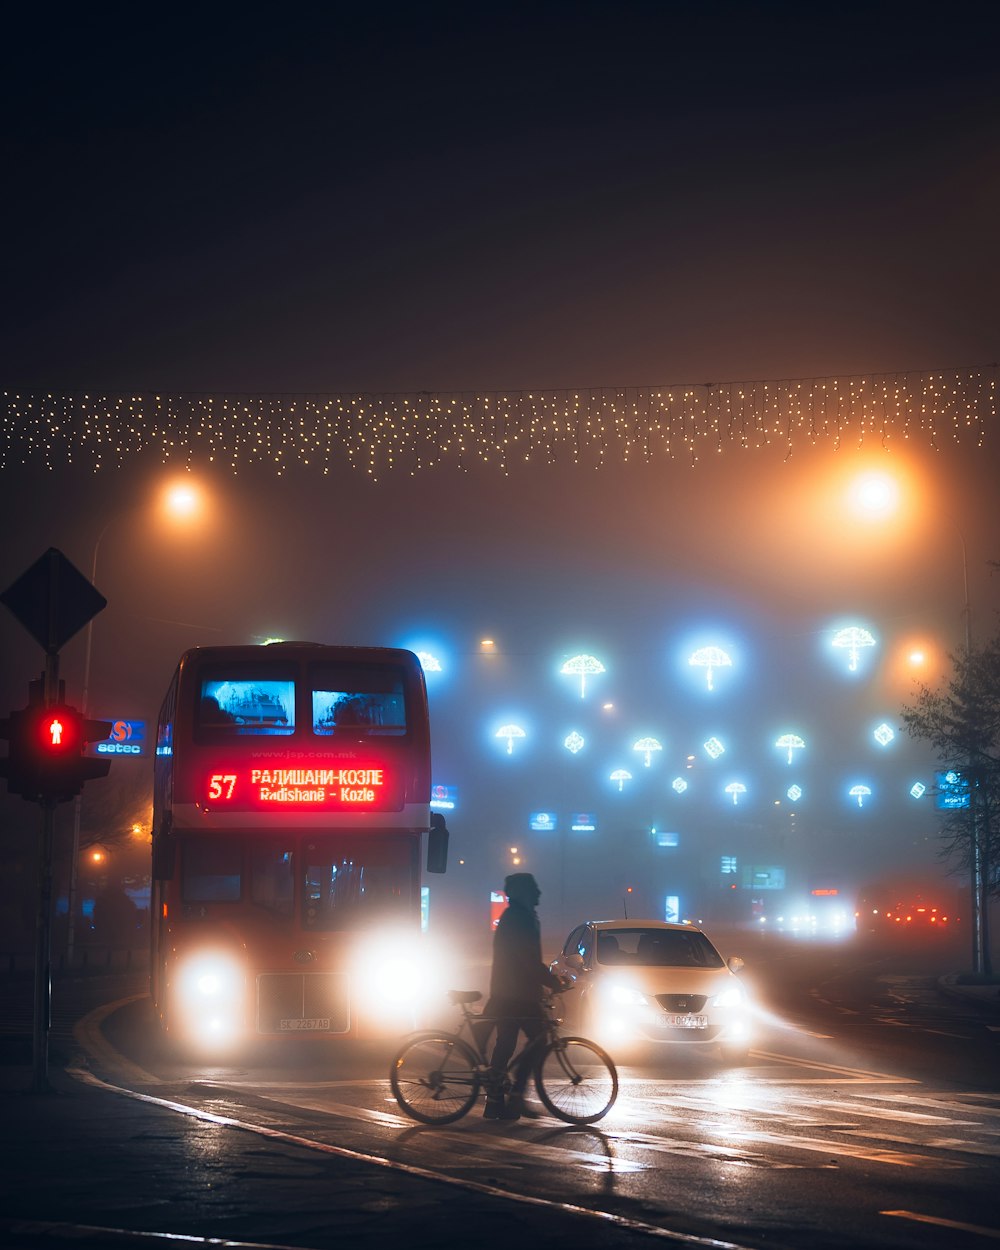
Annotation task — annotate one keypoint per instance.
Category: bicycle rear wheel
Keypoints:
(576, 1080)
(434, 1078)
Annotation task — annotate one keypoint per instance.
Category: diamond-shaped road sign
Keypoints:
(53, 600)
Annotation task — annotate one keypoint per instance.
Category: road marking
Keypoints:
(929, 1100)
(827, 1147)
(853, 1075)
(409, 1169)
(992, 1233)
(856, 1107)
(88, 1036)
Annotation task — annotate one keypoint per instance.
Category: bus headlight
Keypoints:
(396, 975)
(211, 995)
(392, 973)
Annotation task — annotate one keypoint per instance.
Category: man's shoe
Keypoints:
(494, 1109)
(517, 1107)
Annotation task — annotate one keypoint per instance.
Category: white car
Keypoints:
(639, 981)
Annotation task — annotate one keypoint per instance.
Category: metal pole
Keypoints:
(78, 801)
(43, 917)
(975, 850)
(43, 954)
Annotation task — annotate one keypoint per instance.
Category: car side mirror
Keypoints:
(574, 960)
(735, 964)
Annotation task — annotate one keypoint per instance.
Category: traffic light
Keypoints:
(46, 760)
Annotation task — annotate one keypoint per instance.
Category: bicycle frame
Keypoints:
(478, 1029)
(437, 1075)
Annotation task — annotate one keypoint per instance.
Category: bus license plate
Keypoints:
(687, 1022)
(317, 1024)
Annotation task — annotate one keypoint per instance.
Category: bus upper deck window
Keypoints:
(358, 699)
(235, 707)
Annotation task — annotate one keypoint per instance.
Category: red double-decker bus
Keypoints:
(291, 798)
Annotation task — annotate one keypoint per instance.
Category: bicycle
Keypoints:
(436, 1077)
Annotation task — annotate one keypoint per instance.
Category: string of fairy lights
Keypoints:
(411, 432)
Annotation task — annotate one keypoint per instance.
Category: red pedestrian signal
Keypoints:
(59, 732)
(45, 760)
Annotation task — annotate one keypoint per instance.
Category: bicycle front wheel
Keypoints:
(576, 1080)
(434, 1078)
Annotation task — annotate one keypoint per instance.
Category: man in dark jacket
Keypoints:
(518, 983)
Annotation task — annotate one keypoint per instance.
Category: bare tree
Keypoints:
(961, 720)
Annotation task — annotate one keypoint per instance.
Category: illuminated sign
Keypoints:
(543, 822)
(952, 790)
(824, 893)
(127, 737)
(337, 788)
(769, 878)
(443, 798)
(583, 822)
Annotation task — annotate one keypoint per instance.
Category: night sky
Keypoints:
(334, 199)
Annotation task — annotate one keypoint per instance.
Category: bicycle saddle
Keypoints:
(464, 996)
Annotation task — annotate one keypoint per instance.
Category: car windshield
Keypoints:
(657, 948)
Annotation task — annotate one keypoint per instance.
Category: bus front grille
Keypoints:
(303, 1002)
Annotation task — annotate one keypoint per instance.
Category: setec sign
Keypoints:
(127, 737)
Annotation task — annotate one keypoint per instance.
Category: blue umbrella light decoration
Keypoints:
(621, 775)
(647, 746)
(710, 658)
(510, 732)
(790, 743)
(851, 639)
(583, 666)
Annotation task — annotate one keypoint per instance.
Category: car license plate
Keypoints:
(687, 1022)
(317, 1024)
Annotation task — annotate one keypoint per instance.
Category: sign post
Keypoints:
(52, 600)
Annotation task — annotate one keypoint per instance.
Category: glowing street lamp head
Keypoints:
(182, 500)
(875, 495)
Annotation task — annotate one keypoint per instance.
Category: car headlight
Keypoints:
(623, 995)
(731, 996)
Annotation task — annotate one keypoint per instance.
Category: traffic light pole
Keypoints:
(45, 763)
(43, 957)
(42, 1011)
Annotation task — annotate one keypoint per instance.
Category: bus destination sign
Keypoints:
(331, 788)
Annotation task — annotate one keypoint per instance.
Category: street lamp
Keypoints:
(181, 501)
(876, 495)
